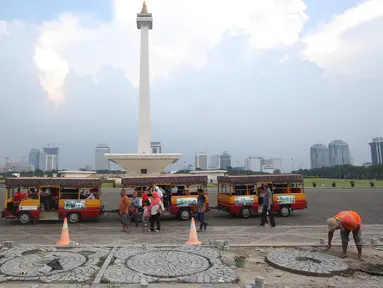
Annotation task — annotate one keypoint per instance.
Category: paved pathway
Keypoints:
(235, 235)
(322, 203)
(117, 265)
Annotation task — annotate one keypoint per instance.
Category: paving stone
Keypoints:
(307, 263)
(32, 264)
(191, 264)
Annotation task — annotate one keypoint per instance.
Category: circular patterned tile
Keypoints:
(307, 263)
(32, 265)
(168, 263)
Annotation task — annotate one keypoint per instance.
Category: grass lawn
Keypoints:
(110, 185)
(2, 180)
(340, 183)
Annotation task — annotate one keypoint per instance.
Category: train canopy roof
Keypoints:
(172, 179)
(46, 181)
(274, 178)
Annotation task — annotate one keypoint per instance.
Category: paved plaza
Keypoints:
(182, 266)
(105, 257)
(121, 265)
(48, 234)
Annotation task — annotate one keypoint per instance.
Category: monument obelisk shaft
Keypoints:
(144, 162)
(144, 23)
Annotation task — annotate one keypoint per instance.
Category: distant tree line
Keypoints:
(234, 171)
(37, 173)
(344, 172)
(41, 173)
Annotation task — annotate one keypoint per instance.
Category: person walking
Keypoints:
(201, 209)
(155, 208)
(347, 222)
(124, 211)
(267, 209)
(134, 206)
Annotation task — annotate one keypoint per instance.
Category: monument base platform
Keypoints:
(143, 164)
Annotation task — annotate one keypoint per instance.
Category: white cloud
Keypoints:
(183, 33)
(3, 28)
(350, 43)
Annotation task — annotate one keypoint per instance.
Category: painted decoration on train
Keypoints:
(285, 199)
(244, 200)
(74, 204)
(186, 201)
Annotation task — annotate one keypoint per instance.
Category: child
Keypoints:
(146, 215)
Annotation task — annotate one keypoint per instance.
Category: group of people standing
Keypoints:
(346, 221)
(151, 210)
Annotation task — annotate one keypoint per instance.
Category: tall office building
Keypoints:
(319, 156)
(277, 163)
(254, 163)
(339, 153)
(156, 147)
(376, 150)
(214, 161)
(34, 158)
(51, 158)
(100, 162)
(225, 160)
(201, 160)
(42, 161)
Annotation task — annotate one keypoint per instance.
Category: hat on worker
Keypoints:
(349, 223)
(333, 224)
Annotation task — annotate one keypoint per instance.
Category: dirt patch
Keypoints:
(256, 266)
(372, 268)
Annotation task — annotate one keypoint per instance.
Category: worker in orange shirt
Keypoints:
(346, 221)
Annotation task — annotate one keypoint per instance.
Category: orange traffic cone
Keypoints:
(193, 238)
(64, 234)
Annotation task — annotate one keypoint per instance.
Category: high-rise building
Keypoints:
(319, 156)
(277, 162)
(51, 158)
(339, 153)
(214, 161)
(377, 150)
(225, 160)
(253, 163)
(34, 158)
(42, 161)
(201, 160)
(156, 147)
(100, 162)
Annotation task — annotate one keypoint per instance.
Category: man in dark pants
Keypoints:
(201, 209)
(267, 207)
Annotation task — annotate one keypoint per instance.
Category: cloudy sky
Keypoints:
(265, 78)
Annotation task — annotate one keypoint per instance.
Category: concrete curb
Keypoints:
(288, 245)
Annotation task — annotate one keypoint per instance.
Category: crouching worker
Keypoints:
(346, 221)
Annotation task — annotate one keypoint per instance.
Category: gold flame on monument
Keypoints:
(144, 9)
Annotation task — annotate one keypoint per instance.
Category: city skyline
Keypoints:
(336, 153)
(79, 93)
(316, 150)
